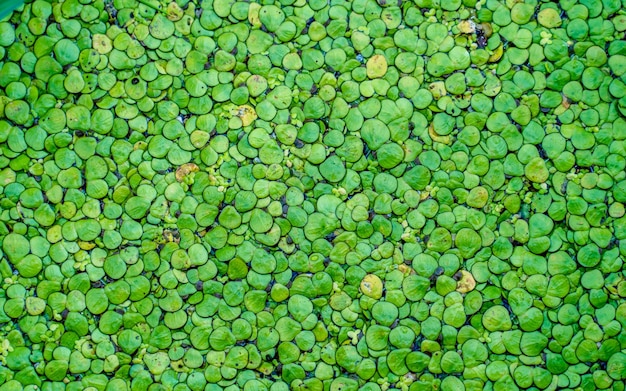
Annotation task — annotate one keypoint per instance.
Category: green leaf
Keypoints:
(8, 6)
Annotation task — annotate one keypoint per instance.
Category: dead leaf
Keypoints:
(86, 245)
(185, 170)
(171, 236)
(497, 54)
(436, 137)
(174, 12)
(466, 283)
(376, 66)
(467, 27)
(246, 113)
(404, 268)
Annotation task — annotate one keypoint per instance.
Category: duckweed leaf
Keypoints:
(317, 195)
